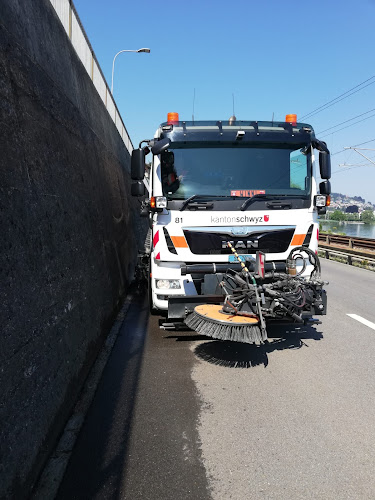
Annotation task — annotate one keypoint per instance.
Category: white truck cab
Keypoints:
(220, 186)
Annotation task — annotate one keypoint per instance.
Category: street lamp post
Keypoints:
(113, 64)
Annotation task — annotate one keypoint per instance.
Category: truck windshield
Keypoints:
(235, 171)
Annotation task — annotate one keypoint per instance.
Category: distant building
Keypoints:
(352, 209)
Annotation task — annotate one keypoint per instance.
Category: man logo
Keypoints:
(241, 244)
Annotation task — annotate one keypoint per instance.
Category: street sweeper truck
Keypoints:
(232, 208)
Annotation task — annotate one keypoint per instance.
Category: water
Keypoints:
(349, 228)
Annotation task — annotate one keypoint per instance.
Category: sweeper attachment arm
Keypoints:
(255, 298)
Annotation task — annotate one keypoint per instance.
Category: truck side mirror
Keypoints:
(325, 187)
(137, 165)
(138, 189)
(325, 165)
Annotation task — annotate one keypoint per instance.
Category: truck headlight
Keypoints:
(158, 203)
(161, 202)
(168, 284)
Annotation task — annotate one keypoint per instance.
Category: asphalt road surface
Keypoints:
(180, 416)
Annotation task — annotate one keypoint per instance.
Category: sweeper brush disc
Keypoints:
(208, 319)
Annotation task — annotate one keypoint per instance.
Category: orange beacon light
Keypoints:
(172, 118)
(292, 119)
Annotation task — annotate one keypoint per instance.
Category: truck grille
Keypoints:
(214, 243)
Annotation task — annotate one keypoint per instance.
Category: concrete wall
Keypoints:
(69, 234)
(69, 18)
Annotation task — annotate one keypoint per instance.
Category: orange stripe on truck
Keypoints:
(298, 239)
(179, 241)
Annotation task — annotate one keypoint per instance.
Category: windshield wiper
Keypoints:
(259, 196)
(197, 196)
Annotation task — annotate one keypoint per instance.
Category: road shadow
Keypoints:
(239, 355)
(98, 463)
(188, 337)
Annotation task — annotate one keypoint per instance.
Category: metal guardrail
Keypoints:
(358, 251)
(350, 259)
(347, 241)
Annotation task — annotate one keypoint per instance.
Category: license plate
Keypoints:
(233, 258)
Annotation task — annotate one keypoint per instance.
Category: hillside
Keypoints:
(345, 200)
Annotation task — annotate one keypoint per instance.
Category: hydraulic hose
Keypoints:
(313, 259)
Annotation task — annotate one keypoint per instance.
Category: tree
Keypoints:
(367, 216)
(358, 198)
(352, 217)
(338, 215)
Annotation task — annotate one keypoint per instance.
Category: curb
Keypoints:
(54, 470)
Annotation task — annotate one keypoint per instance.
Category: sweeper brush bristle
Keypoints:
(209, 320)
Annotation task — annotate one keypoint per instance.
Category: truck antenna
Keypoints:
(233, 118)
(273, 114)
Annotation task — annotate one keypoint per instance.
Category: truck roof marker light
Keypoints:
(173, 118)
(292, 119)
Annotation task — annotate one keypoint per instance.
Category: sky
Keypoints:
(275, 57)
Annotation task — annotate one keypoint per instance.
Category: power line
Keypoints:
(364, 164)
(355, 123)
(346, 121)
(361, 144)
(338, 152)
(349, 168)
(344, 168)
(355, 146)
(339, 98)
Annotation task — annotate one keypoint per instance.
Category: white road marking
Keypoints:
(362, 320)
